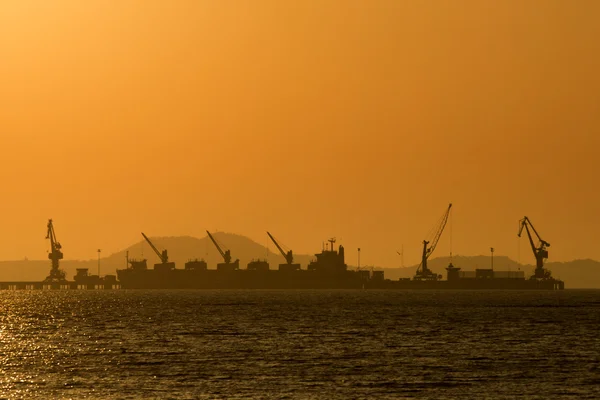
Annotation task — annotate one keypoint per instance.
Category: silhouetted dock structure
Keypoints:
(92, 283)
(56, 280)
(327, 271)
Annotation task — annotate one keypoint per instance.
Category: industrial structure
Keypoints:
(164, 265)
(56, 275)
(327, 271)
(57, 279)
(226, 265)
(540, 252)
(288, 255)
(329, 260)
(423, 272)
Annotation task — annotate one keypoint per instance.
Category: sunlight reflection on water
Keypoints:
(299, 344)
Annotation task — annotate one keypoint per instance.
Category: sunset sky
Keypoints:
(311, 119)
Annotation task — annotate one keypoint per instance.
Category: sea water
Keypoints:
(299, 344)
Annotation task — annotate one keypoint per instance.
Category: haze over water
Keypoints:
(299, 344)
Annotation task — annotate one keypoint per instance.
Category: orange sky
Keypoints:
(314, 118)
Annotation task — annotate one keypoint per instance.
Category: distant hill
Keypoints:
(576, 274)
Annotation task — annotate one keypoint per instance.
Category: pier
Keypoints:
(91, 284)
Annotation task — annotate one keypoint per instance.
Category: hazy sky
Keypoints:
(355, 119)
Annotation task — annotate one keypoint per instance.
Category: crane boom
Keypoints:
(423, 272)
(540, 252)
(525, 225)
(289, 256)
(216, 244)
(440, 229)
(54, 244)
(164, 258)
(225, 254)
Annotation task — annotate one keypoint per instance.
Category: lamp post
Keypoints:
(359, 258)
(492, 250)
(99, 250)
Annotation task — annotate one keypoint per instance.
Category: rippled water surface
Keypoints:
(299, 344)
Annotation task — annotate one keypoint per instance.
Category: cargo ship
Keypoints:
(327, 271)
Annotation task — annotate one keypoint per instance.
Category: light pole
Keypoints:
(359, 258)
(492, 250)
(99, 250)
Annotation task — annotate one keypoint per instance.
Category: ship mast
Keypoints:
(332, 242)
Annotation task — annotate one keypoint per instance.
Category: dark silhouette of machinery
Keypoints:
(539, 251)
(329, 271)
(164, 265)
(56, 274)
(423, 272)
(226, 265)
(289, 257)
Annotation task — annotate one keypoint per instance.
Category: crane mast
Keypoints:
(225, 254)
(164, 257)
(540, 252)
(55, 254)
(289, 256)
(423, 272)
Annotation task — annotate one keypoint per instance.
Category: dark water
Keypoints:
(299, 344)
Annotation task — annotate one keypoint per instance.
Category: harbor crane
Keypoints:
(55, 254)
(289, 257)
(163, 256)
(423, 272)
(539, 251)
(226, 264)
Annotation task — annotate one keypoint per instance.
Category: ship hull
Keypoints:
(238, 279)
(306, 279)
